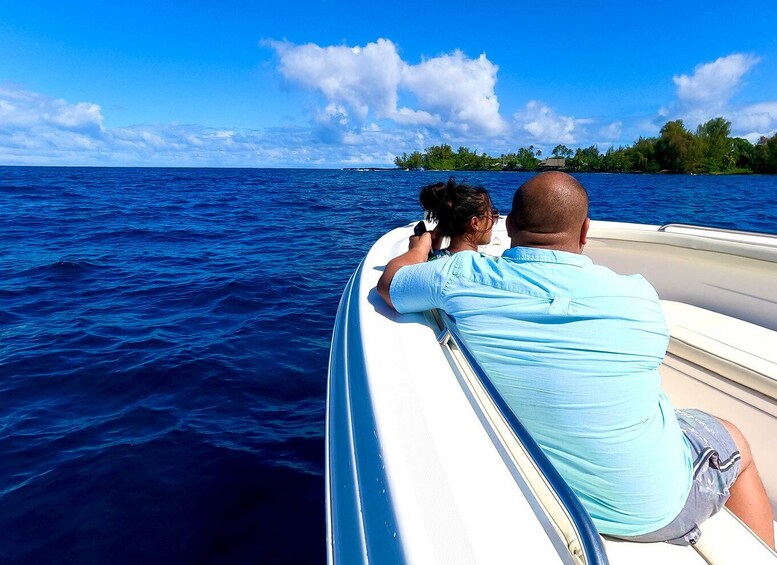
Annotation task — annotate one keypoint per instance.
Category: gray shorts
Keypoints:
(716, 462)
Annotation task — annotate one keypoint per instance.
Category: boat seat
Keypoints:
(724, 540)
(737, 350)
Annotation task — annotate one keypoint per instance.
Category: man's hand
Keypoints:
(418, 250)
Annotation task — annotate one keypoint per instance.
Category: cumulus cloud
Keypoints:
(20, 108)
(361, 78)
(39, 130)
(755, 120)
(546, 126)
(453, 92)
(714, 83)
(459, 90)
(612, 132)
(708, 93)
(372, 104)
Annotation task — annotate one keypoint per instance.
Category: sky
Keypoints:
(323, 83)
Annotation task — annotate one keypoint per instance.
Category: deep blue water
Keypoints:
(164, 337)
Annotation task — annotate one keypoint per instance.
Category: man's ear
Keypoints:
(584, 232)
(509, 224)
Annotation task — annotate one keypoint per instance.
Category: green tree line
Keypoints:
(710, 149)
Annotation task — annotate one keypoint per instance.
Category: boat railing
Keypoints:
(721, 233)
(588, 541)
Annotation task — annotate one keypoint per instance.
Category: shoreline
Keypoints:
(564, 170)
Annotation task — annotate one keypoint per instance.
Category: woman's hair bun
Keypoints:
(433, 196)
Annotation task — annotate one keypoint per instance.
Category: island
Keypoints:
(708, 150)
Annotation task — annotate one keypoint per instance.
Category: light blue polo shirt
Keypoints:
(574, 349)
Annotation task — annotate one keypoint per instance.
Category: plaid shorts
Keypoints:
(716, 461)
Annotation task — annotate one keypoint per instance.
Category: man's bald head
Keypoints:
(550, 210)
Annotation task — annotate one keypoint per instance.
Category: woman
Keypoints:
(463, 213)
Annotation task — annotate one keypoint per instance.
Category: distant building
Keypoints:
(554, 163)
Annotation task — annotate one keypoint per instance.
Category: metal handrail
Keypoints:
(589, 538)
(717, 230)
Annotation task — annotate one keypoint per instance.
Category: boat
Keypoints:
(426, 464)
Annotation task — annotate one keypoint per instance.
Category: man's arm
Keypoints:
(418, 252)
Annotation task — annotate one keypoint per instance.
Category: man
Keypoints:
(574, 349)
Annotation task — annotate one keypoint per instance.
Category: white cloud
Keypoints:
(361, 78)
(755, 120)
(20, 108)
(452, 91)
(406, 116)
(713, 84)
(40, 130)
(374, 105)
(612, 132)
(707, 94)
(459, 90)
(545, 125)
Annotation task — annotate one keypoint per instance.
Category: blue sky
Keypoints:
(330, 84)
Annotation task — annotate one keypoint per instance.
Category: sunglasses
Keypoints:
(493, 213)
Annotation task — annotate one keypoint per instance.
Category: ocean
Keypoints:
(164, 338)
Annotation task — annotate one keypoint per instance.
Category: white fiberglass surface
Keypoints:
(691, 386)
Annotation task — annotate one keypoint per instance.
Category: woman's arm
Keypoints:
(418, 252)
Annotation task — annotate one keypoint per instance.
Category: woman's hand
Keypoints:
(420, 243)
(437, 238)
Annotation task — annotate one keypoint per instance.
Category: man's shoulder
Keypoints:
(631, 284)
(632, 279)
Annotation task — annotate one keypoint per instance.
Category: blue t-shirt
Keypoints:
(574, 349)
